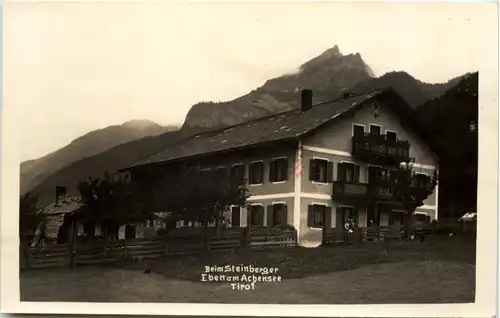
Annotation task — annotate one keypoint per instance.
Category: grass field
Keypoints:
(436, 271)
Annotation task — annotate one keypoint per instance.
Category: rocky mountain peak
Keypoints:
(326, 74)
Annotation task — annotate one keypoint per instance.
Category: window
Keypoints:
(238, 173)
(389, 175)
(130, 231)
(396, 218)
(348, 172)
(393, 175)
(421, 218)
(89, 228)
(345, 214)
(358, 130)
(320, 170)
(383, 174)
(222, 173)
(372, 173)
(421, 180)
(277, 214)
(235, 216)
(318, 216)
(278, 170)
(256, 172)
(256, 215)
(390, 135)
(375, 130)
(206, 173)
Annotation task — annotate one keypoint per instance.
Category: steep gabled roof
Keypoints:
(279, 127)
(66, 205)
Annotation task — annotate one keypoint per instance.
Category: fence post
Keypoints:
(243, 238)
(125, 252)
(73, 244)
(165, 250)
(104, 245)
(248, 235)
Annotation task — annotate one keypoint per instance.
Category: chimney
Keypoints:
(306, 100)
(60, 192)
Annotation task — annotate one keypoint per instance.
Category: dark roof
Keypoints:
(283, 126)
(67, 205)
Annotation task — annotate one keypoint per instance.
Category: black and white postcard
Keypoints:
(250, 158)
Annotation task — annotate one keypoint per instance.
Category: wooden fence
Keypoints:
(384, 233)
(467, 228)
(70, 255)
(265, 237)
(364, 234)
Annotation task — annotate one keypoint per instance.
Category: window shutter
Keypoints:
(284, 215)
(312, 169)
(339, 218)
(358, 130)
(328, 217)
(272, 169)
(261, 215)
(340, 171)
(356, 216)
(270, 210)
(391, 136)
(250, 173)
(239, 174)
(329, 172)
(249, 216)
(375, 130)
(285, 169)
(310, 215)
(356, 173)
(261, 175)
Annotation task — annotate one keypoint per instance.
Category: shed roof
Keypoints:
(66, 205)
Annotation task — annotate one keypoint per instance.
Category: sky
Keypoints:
(73, 67)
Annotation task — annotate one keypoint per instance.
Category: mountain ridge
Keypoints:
(33, 171)
(328, 75)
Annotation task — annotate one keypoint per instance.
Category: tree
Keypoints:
(458, 108)
(200, 196)
(29, 216)
(111, 202)
(410, 193)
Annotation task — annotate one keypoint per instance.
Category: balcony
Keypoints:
(350, 189)
(380, 149)
(382, 190)
(378, 191)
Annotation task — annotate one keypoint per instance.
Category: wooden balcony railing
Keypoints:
(383, 192)
(350, 188)
(383, 189)
(377, 148)
(376, 190)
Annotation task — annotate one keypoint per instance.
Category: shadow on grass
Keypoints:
(436, 271)
(302, 262)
